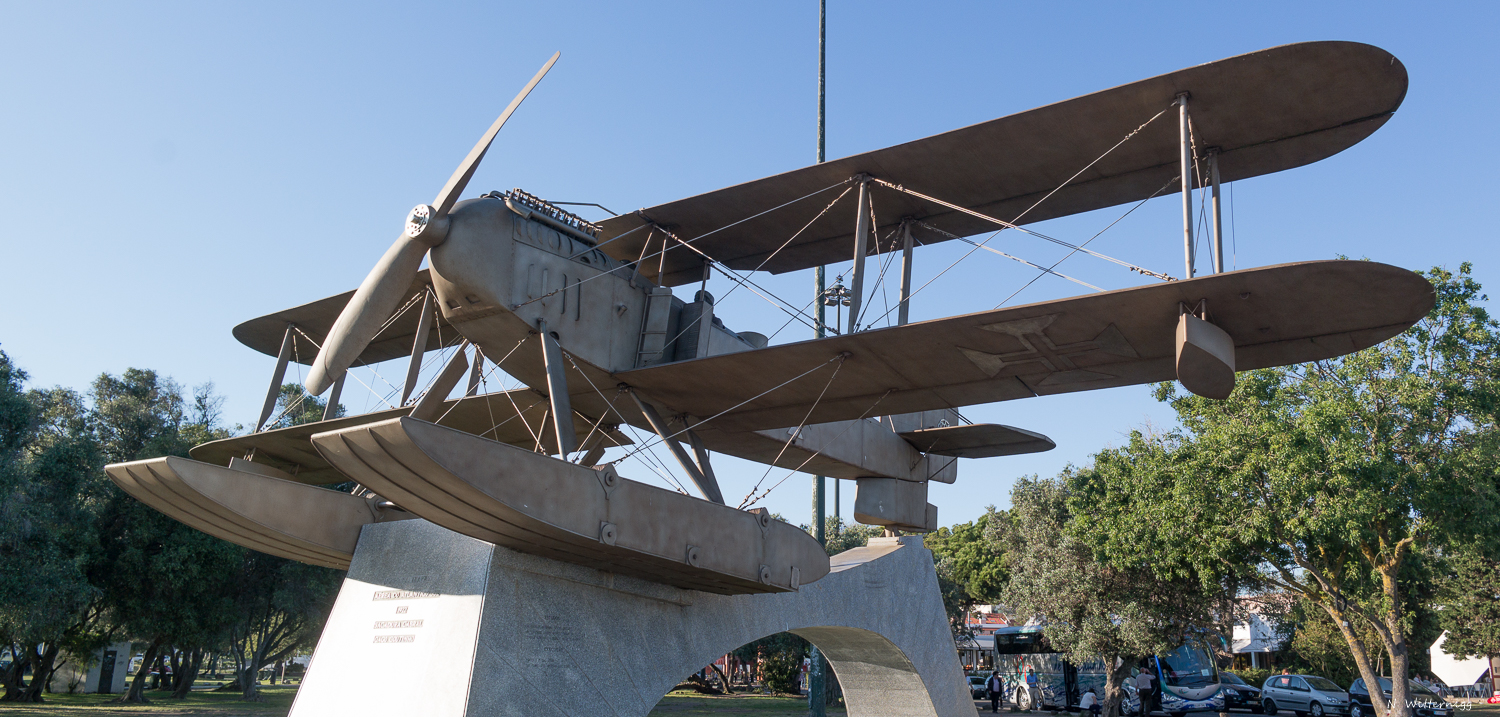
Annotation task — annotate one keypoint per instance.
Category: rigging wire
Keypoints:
(1059, 187)
(1234, 238)
(795, 432)
(1111, 225)
(611, 403)
(1011, 225)
(1044, 269)
(840, 358)
(688, 242)
(800, 466)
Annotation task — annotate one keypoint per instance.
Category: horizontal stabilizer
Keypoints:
(978, 440)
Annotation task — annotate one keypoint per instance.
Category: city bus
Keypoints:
(1187, 675)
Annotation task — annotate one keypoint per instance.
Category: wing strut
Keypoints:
(703, 477)
(282, 357)
(1185, 132)
(861, 248)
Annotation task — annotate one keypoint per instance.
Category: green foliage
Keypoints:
(840, 536)
(295, 407)
(970, 565)
(779, 657)
(1470, 599)
(89, 565)
(1331, 475)
(1093, 607)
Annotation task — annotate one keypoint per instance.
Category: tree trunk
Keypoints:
(1114, 684)
(137, 690)
(41, 672)
(15, 673)
(169, 673)
(723, 678)
(190, 666)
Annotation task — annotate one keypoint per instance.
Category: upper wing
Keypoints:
(1277, 315)
(1265, 111)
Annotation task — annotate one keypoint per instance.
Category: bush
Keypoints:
(781, 671)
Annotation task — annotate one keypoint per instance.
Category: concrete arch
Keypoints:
(507, 633)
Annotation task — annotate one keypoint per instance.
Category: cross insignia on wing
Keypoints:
(1056, 360)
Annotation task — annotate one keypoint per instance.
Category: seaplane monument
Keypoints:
(492, 554)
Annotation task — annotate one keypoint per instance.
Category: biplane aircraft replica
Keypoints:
(585, 316)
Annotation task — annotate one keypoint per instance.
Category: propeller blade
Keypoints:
(375, 300)
(385, 287)
(460, 179)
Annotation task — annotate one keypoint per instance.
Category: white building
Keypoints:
(111, 663)
(1257, 639)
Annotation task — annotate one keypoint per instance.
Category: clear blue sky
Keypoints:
(169, 170)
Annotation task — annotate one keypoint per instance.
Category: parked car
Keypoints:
(1239, 693)
(1303, 695)
(1426, 703)
(977, 690)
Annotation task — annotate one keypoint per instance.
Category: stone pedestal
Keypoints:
(431, 622)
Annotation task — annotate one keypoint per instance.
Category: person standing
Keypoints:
(1145, 687)
(1033, 692)
(996, 688)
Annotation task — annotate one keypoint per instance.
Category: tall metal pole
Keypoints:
(1213, 174)
(1187, 181)
(815, 707)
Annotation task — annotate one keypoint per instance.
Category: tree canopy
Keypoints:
(93, 565)
(1330, 476)
(1092, 608)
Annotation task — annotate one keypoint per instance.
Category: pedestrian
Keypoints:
(996, 688)
(1090, 702)
(1286, 670)
(1145, 687)
(1033, 691)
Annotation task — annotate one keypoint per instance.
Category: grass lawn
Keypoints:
(226, 704)
(279, 701)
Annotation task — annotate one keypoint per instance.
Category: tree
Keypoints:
(1330, 476)
(163, 582)
(280, 606)
(840, 536)
(1470, 599)
(48, 460)
(779, 658)
(970, 566)
(294, 407)
(1119, 611)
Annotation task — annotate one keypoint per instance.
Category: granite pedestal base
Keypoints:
(431, 622)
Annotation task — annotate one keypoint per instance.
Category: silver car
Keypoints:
(1303, 695)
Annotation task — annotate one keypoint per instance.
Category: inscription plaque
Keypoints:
(389, 624)
(401, 595)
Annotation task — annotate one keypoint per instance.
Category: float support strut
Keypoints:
(418, 347)
(557, 393)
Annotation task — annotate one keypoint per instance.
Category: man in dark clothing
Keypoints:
(996, 687)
